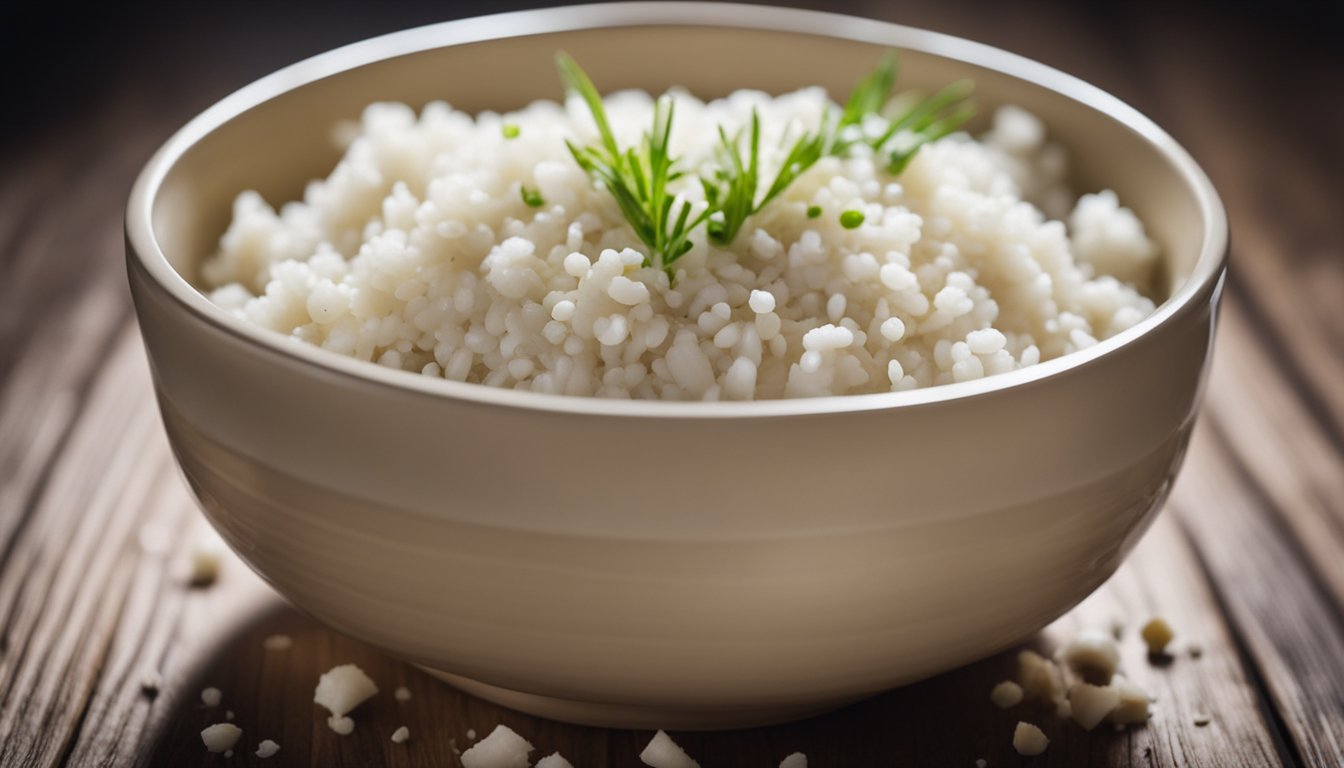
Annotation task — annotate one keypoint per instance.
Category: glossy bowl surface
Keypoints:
(678, 565)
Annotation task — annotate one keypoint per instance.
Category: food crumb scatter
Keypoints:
(1092, 655)
(1090, 704)
(206, 558)
(503, 748)
(402, 693)
(211, 697)
(221, 737)
(1202, 720)
(1133, 705)
(228, 714)
(340, 724)
(471, 734)
(400, 735)
(151, 683)
(277, 643)
(267, 748)
(663, 752)
(1006, 694)
(342, 688)
(1040, 678)
(554, 760)
(1029, 740)
(1157, 634)
(796, 760)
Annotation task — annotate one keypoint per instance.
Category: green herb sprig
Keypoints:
(638, 177)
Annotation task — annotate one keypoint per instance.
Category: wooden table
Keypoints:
(1247, 561)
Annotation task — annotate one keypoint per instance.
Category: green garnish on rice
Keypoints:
(638, 177)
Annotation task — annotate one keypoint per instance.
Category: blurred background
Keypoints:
(64, 61)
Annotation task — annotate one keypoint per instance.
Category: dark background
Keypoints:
(60, 62)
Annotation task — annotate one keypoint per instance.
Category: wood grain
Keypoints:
(1247, 563)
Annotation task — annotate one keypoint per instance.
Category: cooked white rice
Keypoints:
(419, 253)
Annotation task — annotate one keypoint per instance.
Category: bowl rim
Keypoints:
(143, 248)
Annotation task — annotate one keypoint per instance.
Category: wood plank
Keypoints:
(1280, 446)
(1290, 630)
(65, 581)
(112, 610)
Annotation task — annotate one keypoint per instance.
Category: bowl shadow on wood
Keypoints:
(947, 720)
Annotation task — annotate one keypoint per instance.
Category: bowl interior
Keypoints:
(276, 145)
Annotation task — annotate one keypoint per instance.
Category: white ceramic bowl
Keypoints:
(666, 564)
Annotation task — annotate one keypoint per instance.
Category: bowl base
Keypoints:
(605, 715)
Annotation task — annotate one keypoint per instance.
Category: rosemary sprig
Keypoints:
(923, 122)
(731, 189)
(868, 97)
(638, 177)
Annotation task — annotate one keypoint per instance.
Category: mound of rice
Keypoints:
(419, 252)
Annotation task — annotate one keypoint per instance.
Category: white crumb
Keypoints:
(221, 737)
(228, 714)
(402, 694)
(796, 760)
(1092, 655)
(1040, 678)
(981, 763)
(1090, 704)
(503, 748)
(1006, 694)
(211, 697)
(400, 735)
(206, 557)
(277, 643)
(342, 688)
(1029, 740)
(663, 752)
(1133, 706)
(342, 725)
(151, 683)
(267, 748)
(554, 760)
(471, 734)
(1202, 719)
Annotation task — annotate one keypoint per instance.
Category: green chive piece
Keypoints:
(814, 211)
(533, 198)
(851, 219)
(510, 130)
